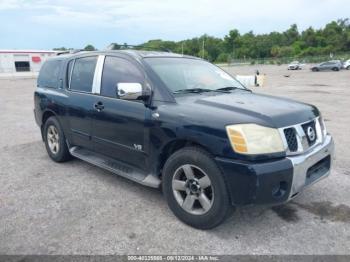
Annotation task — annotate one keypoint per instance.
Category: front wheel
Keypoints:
(195, 189)
(335, 69)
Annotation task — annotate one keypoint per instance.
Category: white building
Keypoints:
(12, 61)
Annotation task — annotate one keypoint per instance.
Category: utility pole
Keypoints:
(233, 49)
(203, 49)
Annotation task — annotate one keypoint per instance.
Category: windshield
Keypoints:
(181, 74)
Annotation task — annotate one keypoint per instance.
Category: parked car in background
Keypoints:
(295, 65)
(334, 65)
(346, 64)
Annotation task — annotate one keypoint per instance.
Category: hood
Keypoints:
(247, 106)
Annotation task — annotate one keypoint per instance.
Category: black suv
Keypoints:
(183, 124)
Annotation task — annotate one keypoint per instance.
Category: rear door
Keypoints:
(81, 72)
(325, 66)
(119, 125)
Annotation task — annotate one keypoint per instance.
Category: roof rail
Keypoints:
(71, 51)
(114, 46)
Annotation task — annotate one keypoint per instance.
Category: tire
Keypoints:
(315, 69)
(348, 67)
(55, 141)
(335, 69)
(200, 211)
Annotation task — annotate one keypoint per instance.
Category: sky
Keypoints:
(43, 24)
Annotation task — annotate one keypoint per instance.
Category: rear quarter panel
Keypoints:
(51, 100)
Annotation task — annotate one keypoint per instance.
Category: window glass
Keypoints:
(118, 70)
(183, 73)
(49, 74)
(83, 74)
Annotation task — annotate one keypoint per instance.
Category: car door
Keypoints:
(327, 66)
(81, 72)
(323, 66)
(119, 125)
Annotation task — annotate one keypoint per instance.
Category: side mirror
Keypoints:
(129, 91)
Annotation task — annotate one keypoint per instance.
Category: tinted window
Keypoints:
(118, 70)
(83, 74)
(49, 74)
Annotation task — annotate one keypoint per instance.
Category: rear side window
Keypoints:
(118, 70)
(83, 74)
(49, 74)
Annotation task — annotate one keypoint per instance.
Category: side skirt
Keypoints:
(115, 167)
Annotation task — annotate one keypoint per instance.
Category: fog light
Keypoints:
(279, 190)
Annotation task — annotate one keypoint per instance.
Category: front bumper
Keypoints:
(276, 181)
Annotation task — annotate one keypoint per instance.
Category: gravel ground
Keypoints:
(75, 208)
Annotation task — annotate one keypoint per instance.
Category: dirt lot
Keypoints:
(75, 208)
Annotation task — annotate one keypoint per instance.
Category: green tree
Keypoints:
(275, 51)
(60, 49)
(291, 35)
(114, 46)
(333, 37)
(90, 48)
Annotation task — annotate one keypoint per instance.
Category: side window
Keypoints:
(83, 74)
(49, 74)
(118, 70)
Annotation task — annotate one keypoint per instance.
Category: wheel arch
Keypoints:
(46, 115)
(172, 146)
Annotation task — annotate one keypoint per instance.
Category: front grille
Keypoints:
(301, 137)
(291, 139)
(310, 126)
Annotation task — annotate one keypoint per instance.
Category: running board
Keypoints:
(115, 166)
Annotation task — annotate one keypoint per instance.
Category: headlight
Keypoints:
(252, 139)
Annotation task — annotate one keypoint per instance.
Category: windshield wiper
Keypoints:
(198, 90)
(230, 88)
(192, 90)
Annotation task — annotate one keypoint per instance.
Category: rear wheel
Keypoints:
(195, 189)
(315, 69)
(335, 69)
(348, 67)
(55, 141)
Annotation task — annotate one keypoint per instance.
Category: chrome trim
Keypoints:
(302, 163)
(70, 73)
(96, 83)
(303, 145)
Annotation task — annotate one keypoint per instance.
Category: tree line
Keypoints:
(334, 37)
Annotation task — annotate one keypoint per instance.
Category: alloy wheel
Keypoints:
(53, 139)
(193, 189)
